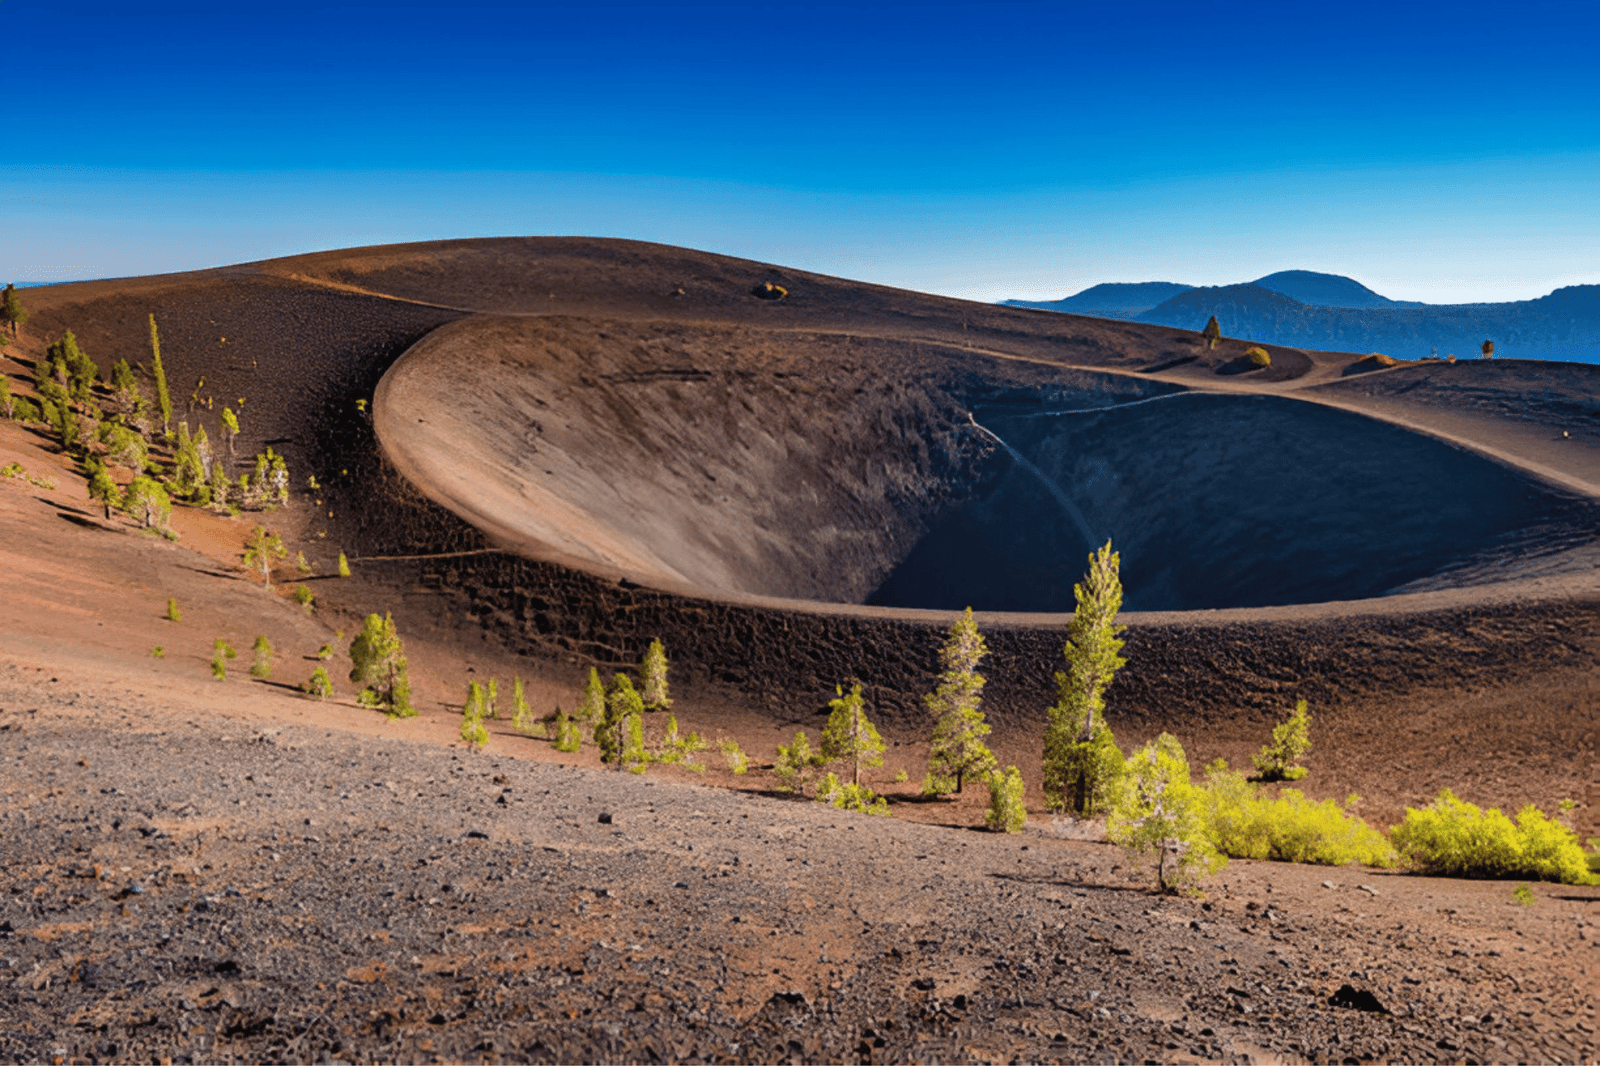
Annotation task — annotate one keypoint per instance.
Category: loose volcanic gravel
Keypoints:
(208, 890)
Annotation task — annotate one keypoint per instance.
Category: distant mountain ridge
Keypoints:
(1328, 312)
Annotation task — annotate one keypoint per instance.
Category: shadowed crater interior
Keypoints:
(842, 469)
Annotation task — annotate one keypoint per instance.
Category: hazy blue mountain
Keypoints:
(1111, 300)
(1326, 290)
(1562, 325)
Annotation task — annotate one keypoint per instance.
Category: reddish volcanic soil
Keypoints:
(569, 447)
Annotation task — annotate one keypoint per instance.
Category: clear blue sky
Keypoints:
(1441, 152)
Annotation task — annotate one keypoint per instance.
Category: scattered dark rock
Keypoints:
(1354, 998)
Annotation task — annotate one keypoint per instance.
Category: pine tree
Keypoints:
(12, 313)
(379, 663)
(593, 705)
(163, 397)
(1081, 758)
(795, 764)
(1158, 809)
(521, 713)
(653, 675)
(1291, 742)
(344, 565)
(569, 734)
(8, 405)
(103, 489)
(222, 651)
(173, 614)
(260, 550)
(148, 495)
(189, 471)
(1212, 333)
(958, 750)
(849, 735)
(81, 371)
(230, 430)
(491, 699)
(319, 685)
(472, 715)
(1007, 813)
(261, 668)
(612, 732)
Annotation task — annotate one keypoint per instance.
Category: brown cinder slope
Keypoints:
(610, 441)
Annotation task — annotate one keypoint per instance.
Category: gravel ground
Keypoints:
(207, 889)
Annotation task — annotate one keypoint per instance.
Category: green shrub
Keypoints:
(378, 663)
(305, 599)
(261, 667)
(1242, 823)
(900, 777)
(734, 755)
(319, 685)
(344, 565)
(676, 747)
(222, 651)
(25, 410)
(1159, 810)
(1259, 357)
(1523, 895)
(159, 652)
(849, 796)
(1450, 838)
(1007, 813)
(1291, 741)
(13, 470)
(173, 614)
(325, 652)
(569, 734)
(796, 763)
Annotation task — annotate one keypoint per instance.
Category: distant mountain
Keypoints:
(1305, 309)
(1326, 290)
(1563, 325)
(1111, 300)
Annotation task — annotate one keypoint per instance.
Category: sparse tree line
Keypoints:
(125, 422)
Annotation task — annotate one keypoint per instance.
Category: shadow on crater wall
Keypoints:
(1217, 501)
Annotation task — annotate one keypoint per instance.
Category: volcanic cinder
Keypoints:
(547, 452)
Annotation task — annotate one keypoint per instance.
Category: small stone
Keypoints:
(605, 818)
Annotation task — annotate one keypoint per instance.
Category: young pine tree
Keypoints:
(1007, 813)
(12, 314)
(173, 614)
(103, 489)
(569, 734)
(147, 496)
(593, 705)
(230, 430)
(849, 735)
(521, 713)
(222, 651)
(1159, 810)
(319, 685)
(958, 750)
(163, 397)
(1081, 758)
(344, 565)
(1291, 742)
(653, 675)
(472, 714)
(795, 764)
(379, 663)
(261, 667)
(1212, 333)
(261, 550)
(612, 731)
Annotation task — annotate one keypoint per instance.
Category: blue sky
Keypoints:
(1437, 152)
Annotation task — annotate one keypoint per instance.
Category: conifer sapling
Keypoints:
(958, 750)
(849, 736)
(1081, 758)
(653, 676)
(261, 668)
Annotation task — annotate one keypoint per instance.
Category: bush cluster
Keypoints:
(1243, 823)
(1451, 838)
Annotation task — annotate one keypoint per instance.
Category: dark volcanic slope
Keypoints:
(619, 410)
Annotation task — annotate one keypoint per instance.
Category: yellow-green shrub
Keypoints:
(1243, 823)
(1259, 356)
(1451, 838)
